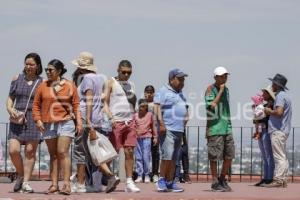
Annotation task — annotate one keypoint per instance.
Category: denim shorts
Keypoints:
(57, 129)
(170, 143)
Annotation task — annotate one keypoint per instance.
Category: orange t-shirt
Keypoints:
(48, 109)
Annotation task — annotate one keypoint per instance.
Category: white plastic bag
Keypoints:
(101, 150)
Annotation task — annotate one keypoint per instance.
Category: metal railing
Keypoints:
(247, 162)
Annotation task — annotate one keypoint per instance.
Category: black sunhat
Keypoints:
(279, 80)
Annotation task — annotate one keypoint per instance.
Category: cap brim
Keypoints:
(181, 75)
(222, 74)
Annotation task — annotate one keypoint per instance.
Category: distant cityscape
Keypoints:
(251, 162)
(250, 154)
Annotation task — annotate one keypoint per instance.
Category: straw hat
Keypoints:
(85, 60)
(270, 91)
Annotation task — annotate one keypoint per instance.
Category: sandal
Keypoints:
(53, 189)
(66, 190)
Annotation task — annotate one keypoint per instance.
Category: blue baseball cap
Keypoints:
(176, 73)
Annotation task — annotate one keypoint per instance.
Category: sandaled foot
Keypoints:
(53, 189)
(66, 190)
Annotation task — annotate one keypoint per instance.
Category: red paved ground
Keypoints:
(194, 191)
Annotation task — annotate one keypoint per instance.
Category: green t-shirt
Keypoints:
(218, 119)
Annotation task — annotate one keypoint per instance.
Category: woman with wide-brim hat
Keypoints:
(90, 87)
(264, 142)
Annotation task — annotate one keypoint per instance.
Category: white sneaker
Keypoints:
(73, 187)
(147, 179)
(155, 179)
(139, 179)
(26, 188)
(131, 187)
(73, 178)
(80, 188)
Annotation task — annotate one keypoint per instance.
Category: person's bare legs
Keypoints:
(225, 168)
(167, 169)
(163, 168)
(105, 169)
(52, 148)
(15, 156)
(128, 161)
(30, 152)
(63, 146)
(171, 164)
(81, 174)
(214, 170)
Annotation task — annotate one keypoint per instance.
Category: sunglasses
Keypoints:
(49, 70)
(30, 64)
(126, 72)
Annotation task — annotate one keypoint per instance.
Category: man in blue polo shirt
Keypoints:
(279, 128)
(171, 113)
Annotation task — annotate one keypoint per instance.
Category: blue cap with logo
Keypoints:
(176, 73)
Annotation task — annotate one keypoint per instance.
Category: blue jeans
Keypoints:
(265, 147)
(183, 158)
(143, 156)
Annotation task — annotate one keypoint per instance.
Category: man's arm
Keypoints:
(187, 116)
(89, 107)
(279, 107)
(106, 99)
(278, 112)
(159, 118)
(217, 100)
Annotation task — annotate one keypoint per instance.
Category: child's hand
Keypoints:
(155, 141)
(162, 128)
(92, 134)
(268, 111)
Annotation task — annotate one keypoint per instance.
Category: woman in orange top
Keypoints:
(55, 105)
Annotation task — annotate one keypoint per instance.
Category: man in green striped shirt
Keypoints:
(220, 143)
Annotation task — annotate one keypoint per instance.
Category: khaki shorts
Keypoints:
(220, 147)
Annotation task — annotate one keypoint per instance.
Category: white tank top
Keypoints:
(119, 106)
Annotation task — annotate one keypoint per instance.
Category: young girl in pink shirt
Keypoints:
(145, 129)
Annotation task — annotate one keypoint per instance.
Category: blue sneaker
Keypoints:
(173, 187)
(161, 185)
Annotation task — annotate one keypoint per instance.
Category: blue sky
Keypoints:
(254, 39)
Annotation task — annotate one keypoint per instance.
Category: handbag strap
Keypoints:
(31, 95)
(131, 97)
(62, 104)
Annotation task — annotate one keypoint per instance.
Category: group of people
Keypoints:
(59, 110)
(273, 126)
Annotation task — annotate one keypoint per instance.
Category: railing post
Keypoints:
(241, 156)
(6, 147)
(251, 156)
(207, 171)
(71, 156)
(40, 161)
(293, 155)
(261, 167)
(198, 150)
